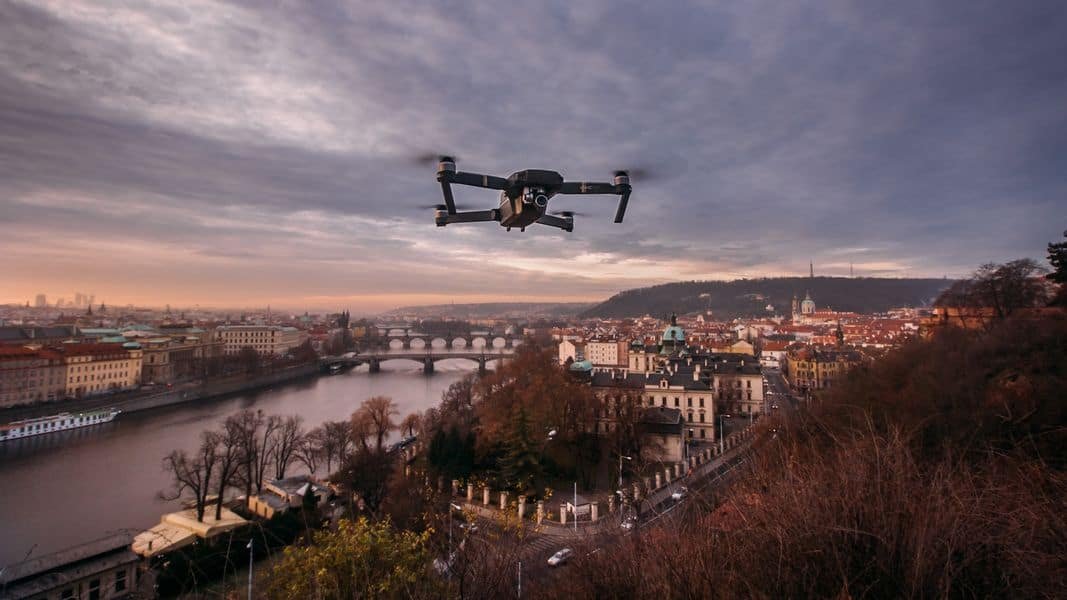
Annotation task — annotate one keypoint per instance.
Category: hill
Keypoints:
(750, 297)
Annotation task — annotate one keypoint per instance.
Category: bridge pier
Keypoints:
(375, 365)
(427, 366)
(481, 365)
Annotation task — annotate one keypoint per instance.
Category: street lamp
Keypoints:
(250, 551)
(687, 441)
(451, 506)
(620, 468)
(722, 435)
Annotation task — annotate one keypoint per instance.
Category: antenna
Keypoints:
(811, 269)
(850, 272)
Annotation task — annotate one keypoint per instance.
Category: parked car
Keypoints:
(629, 523)
(774, 407)
(679, 493)
(560, 557)
(469, 527)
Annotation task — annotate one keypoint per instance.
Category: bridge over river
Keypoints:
(427, 356)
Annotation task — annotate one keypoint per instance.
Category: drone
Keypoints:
(524, 196)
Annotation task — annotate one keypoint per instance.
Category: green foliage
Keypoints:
(520, 466)
(451, 454)
(359, 560)
(744, 297)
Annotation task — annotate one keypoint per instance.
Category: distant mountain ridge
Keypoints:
(750, 297)
(488, 310)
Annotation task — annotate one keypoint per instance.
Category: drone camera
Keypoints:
(622, 178)
(540, 201)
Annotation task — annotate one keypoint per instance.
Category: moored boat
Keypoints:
(60, 422)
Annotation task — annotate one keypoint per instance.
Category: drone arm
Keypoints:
(562, 223)
(585, 187)
(474, 216)
(474, 179)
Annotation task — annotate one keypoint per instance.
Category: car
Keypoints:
(560, 557)
(469, 527)
(629, 523)
(774, 407)
(679, 493)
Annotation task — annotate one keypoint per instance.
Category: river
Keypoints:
(65, 488)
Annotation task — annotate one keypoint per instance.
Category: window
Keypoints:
(120, 581)
(690, 417)
(689, 402)
(94, 589)
(701, 417)
(67, 594)
(703, 433)
(676, 403)
(701, 403)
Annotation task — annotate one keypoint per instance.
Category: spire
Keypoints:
(811, 269)
(674, 319)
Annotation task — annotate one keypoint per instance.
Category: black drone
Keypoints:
(524, 196)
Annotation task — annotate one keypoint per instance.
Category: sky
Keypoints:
(252, 153)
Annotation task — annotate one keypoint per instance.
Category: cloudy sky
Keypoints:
(200, 152)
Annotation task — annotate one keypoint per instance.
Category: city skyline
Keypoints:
(233, 155)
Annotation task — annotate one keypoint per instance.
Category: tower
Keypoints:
(796, 309)
(811, 270)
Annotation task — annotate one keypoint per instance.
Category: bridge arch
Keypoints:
(459, 343)
(500, 342)
(439, 343)
(417, 343)
(396, 344)
(479, 343)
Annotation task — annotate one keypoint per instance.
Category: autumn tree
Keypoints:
(410, 424)
(360, 559)
(1004, 289)
(284, 444)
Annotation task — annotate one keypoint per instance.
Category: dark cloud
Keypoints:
(913, 138)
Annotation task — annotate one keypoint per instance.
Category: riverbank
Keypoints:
(181, 393)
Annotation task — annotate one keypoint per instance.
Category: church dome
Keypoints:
(807, 307)
(581, 366)
(673, 334)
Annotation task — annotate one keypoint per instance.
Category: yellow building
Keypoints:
(97, 368)
(31, 374)
(814, 369)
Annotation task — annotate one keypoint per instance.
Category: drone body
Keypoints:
(524, 196)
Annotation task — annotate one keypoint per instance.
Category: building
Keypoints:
(808, 369)
(14, 335)
(266, 340)
(280, 495)
(41, 301)
(97, 368)
(771, 354)
(662, 432)
(103, 569)
(601, 353)
(177, 357)
(31, 374)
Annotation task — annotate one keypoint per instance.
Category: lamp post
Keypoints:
(722, 435)
(451, 507)
(250, 551)
(687, 442)
(620, 467)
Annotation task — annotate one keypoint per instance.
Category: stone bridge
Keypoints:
(403, 337)
(427, 357)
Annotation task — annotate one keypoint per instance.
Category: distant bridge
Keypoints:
(401, 336)
(429, 356)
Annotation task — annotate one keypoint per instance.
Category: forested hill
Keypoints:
(750, 297)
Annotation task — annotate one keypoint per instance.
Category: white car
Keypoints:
(469, 527)
(629, 523)
(679, 493)
(560, 557)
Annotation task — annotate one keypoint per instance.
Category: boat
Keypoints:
(60, 422)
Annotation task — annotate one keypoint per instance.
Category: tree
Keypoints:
(336, 443)
(229, 458)
(1003, 289)
(249, 359)
(284, 444)
(1057, 257)
(520, 465)
(359, 560)
(309, 449)
(193, 473)
(380, 411)
(410, 424)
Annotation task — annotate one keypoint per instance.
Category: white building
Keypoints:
(264, 339)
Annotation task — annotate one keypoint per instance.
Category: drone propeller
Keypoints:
(442, 207)
(429, 159)
(569, 213)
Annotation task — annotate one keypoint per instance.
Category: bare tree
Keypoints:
(265, 453)
(380, 411)
(309, 449)
(410, 424)
(193, 473)
(228, 442)
(285, 443)
(361, 429)
(336, 443)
